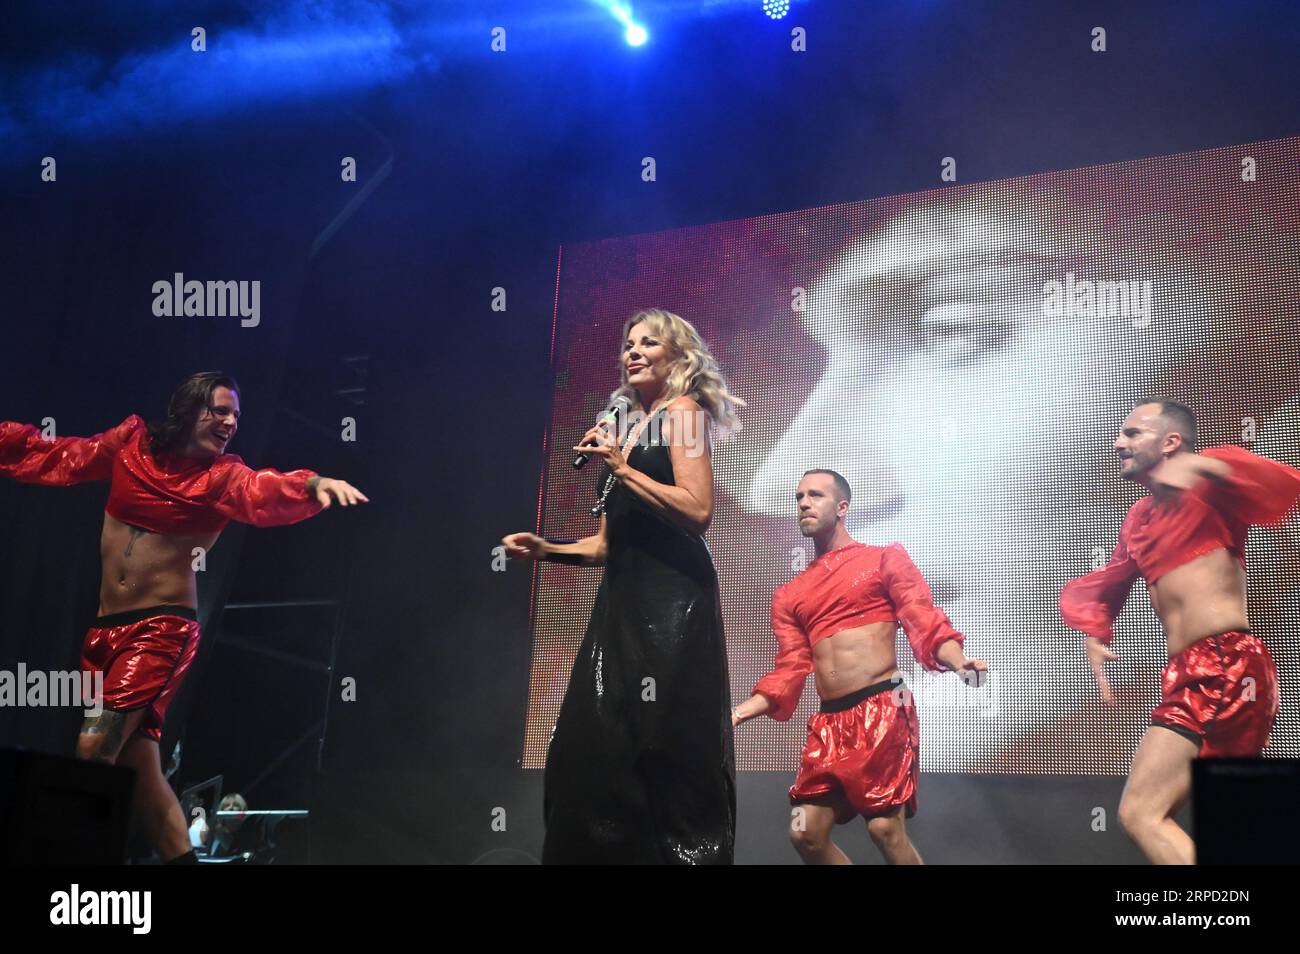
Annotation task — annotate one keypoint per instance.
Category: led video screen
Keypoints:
(964, 357)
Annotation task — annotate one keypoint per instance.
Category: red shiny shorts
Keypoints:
(865, 746)
(144, 655)
(1220, 692)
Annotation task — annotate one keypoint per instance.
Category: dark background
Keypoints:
(473, 168)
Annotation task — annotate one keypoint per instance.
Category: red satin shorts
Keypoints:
(1220, 692)
(144, 655)
(865, 746)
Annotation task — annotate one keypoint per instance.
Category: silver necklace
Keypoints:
(610, 480)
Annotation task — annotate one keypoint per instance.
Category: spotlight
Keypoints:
(636, 34)
(776, 9)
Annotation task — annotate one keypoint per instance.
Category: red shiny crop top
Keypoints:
(845, 588)
(1157, 537)
(174, 495)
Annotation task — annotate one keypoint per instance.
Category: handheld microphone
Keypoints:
(618, 409)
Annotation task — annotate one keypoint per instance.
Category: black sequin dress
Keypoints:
(641, 768)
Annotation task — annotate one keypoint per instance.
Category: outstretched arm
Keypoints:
(27, 457)
(269, 498)
(588, 551)
(327, 489)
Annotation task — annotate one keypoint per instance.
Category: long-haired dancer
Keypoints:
(172, 488)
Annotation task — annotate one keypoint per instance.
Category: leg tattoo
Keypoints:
(106, 732)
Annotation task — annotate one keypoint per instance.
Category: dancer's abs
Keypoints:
(141, 569)
(1201, 598)
(855, 658)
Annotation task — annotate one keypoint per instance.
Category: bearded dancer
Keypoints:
(838, 619)
(171, 488)
(1187, 539)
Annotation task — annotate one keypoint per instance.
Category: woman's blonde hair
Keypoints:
(694, 371)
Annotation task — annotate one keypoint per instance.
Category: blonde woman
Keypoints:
(641, 768)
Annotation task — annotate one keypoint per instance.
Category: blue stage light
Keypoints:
(776, 9)
(636, 34)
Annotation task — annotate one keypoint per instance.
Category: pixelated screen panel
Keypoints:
(964, 357)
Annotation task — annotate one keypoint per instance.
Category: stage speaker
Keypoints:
(62, 811)
(1244, 811)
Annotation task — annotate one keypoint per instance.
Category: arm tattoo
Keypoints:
(110, 725)
(312, 484)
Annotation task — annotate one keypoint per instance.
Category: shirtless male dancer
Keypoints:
(172, 488)
(1187, 539)
(838, 619)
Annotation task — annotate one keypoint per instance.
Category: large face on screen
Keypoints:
(972, 418)
(969, 360)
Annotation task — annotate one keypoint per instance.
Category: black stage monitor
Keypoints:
(1244, 811)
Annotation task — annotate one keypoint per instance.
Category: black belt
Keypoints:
(853, 698)
(136, 616)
